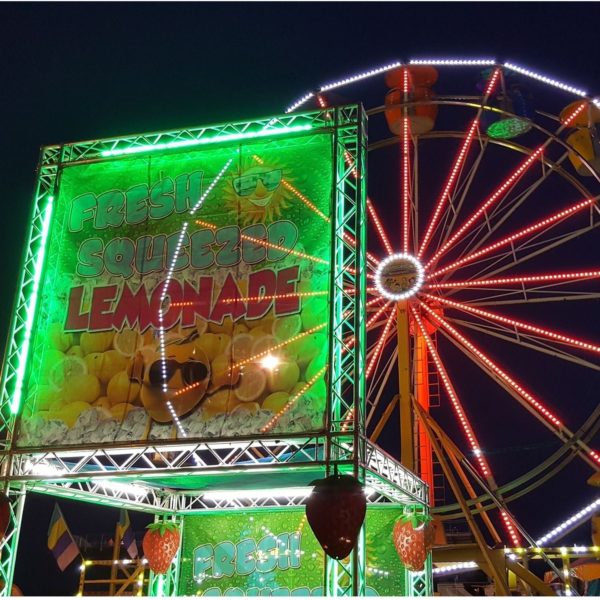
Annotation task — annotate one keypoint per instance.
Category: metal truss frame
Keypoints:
(122, 475)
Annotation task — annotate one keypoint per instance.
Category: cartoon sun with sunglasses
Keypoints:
(258, 194)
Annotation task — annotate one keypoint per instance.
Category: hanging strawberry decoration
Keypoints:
(160, 545)
(4, 514)
(413, 538)
(335, 511)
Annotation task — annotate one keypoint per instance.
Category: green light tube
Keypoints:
(207, 140)
(20, 374)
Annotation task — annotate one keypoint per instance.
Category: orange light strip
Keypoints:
(379, 346)
(538, 406)
(547, 333)
(456, 403)
(548, 278)
(493, 199)
(254, 240)
(271, 297)
(278, 346)
(526, 231)
(273, 421)
(286, 184)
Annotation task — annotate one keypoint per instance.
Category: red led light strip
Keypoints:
(548, 278)
(493, 199)
(458, 163)
(547, 333)
(406, 203)
(526, 231)
(538, 406)
(514, 536)
(456, 404)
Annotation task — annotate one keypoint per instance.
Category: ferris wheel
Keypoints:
(482, 272)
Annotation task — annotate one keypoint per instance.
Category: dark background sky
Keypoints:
(79, 71)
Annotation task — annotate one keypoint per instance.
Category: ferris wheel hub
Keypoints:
(399, 276)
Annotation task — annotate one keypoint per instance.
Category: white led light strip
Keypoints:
(554, 82)
(452, 61)
(461, 566)
(161, 329)
(584, 513)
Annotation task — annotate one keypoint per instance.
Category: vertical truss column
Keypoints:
(347, 317)
(167, 585)
(418, 584)
(8, 546)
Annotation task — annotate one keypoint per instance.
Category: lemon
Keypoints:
(102, 402)
(96, 341)
(308, 347)
(223, 372)
(251, 385)
(314, 313)
(120, 411)
(285, 328)
(283, 377)
(126, 342)
(263, 345)
(105, 365)
(315, 365)
(219, 403)
(257, 332)
(225, 327)
(121, 389)
(68, 367)
(242, 347)
(276, 401)
(81, 388)
(58, 338)
(46, 397)
(239, 328)
(200, 325)
(213, 344)
(75, 351)
(70, 413)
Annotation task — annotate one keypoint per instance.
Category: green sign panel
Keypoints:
(185, 295)
(274, 553)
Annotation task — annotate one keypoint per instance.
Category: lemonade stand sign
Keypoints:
(185, 295)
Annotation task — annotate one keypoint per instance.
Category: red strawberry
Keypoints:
(160, 545)
(413, 538)
(335, 511)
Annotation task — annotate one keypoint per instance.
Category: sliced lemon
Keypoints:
(283, 377)
(68, 367)
(252, 384)
(285, 328)
(127, 342)
(219, 403)
(242, 346)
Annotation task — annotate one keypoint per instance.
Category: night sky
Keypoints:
(72, 72)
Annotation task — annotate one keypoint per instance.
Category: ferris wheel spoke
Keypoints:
(572, 296)
(383, 339)
(540, 226)
(516, 390)
(518, 327)
(525, 341)
(457, 166)
(457, 406)
(502, 190)
(504, 211)
(380, 384)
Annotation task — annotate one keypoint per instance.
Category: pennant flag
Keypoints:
(60, 540)
(126, 534)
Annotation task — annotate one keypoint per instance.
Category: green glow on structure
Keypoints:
(208, 140)
(506, 129)
(16, 401)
